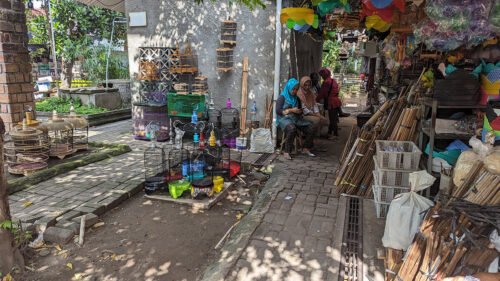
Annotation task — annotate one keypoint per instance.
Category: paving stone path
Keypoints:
(295, 239)
(94, 188)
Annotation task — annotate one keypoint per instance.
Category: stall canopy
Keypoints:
(116, 5)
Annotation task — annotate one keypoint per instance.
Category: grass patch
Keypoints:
(62, 105)
(107, 151)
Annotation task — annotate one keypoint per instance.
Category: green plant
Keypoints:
(63, 105)
(331, 51)
(251, 4)
(21, 236)
(94, 65)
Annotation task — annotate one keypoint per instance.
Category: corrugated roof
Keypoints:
(115, 5)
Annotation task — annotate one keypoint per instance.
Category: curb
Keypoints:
(240, 236)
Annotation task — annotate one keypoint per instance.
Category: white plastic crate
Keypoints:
(383, 195)
(389, 177)
(400, 155)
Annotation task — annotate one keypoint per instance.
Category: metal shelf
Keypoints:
(427, 131)
(428, 102)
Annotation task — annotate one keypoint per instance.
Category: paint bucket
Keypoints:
(241, 143)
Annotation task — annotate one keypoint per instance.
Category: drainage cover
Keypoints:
(352, 244)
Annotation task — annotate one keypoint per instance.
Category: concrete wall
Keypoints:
(172, 21)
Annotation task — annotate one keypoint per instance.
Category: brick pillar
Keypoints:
(16, 88)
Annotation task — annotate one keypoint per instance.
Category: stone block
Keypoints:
(58, 235)
(44, 223)
(71, 225)
(69, 215)
(90, 220)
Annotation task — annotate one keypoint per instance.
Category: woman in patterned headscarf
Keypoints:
(290, 119)
(309, 106)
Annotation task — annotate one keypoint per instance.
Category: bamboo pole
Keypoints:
(244, 97)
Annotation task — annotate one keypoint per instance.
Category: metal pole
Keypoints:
(277, 61)
(53, 40)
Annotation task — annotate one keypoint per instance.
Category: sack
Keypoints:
(406, 213)
(261, 141)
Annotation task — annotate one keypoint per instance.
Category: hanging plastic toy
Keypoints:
(299, 19)
(375, 22)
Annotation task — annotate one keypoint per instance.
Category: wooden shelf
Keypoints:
(428, 102)
(427, 131)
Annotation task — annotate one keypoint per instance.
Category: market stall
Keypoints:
(428, 155)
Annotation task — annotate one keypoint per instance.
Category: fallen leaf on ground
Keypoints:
(77, 276)
(239, 216)
(99, 224)
(69, 265)
(27, 203)
(8, 277)
(58, 247)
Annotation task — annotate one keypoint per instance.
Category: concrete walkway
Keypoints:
(94, 188)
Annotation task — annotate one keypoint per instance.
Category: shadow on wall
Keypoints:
(171, 22)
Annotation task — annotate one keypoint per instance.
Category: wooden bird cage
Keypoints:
(60, 135)
(149, 71)
(80, 131)
(27, 152)
(181, 88)
(200, 85)
(225, 59)
(187, 58)
(228, 32)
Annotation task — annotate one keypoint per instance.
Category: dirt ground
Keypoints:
(140, 240)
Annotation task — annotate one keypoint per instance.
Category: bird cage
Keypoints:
(178, 164)
(60, 135)
(149, 71)
(200, 85)
(80, 131)
(214, 118)
(181, 88)
(155, 168)
(197, 166)
(187, 58)
(230, 162)
(230, 126)
(228, 32)
(27, 152)
(225, 59)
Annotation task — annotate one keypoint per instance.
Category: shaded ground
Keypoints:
(141, 240)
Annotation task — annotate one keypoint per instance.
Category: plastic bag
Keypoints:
(482, 149)
(261, 141)
(406, 212)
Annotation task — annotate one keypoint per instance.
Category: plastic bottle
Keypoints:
(253, 112)
(194, 117)
(228, 103)
(212, 141)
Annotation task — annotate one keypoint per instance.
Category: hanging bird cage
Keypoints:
(155, 168)
(181, 88)
(225, 59)
(27, 152)
(228, 32)
(60, 135)
(200, 85)
(230, 126)
(80, 130)
(188, 60)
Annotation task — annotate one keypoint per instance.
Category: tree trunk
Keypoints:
(66, 73)
(9, 253)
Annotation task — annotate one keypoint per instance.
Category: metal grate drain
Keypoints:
(262, 159)
(352, 246)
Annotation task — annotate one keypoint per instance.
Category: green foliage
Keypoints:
(331, 51)
(251, 4)
(95, 65)
(62, 105)
(21, 237)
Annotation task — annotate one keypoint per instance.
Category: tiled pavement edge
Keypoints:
(95, 188)
(292, 237)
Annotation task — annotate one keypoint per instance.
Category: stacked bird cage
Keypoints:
(230, 126)
(200, 85)
(225, 59)
(27, 152)
(181, 88)
(60, 135)
(188, 60)
(228, 32)
(149, 71)
(80, 130)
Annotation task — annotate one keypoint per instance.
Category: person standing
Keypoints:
(329, 93)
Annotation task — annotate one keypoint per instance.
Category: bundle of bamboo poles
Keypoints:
(480, 187)
(436, 253)
(269, 113)
(406, 128)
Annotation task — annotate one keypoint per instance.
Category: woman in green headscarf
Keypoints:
(290, 119)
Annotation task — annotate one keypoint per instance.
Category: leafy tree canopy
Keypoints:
(251, 4)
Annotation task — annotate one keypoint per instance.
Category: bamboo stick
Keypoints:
(244, 97)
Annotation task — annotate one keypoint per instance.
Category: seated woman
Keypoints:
(288, 109)
(310, 108)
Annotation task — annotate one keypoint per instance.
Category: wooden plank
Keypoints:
(204, 204)
(244, 97)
